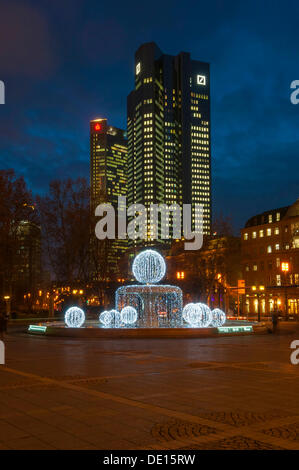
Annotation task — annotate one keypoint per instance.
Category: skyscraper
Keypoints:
(168, 119)
(108, 180)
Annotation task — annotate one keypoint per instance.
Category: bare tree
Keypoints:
(66, 227)
(222, 226)
(16, 208)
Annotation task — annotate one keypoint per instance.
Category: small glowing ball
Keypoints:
(114, 314)
(218, 317)
(107, 317)
(128, 315)
(206, 317)
(74, 317)
(192, 314)
(149, 267)
(117, 319)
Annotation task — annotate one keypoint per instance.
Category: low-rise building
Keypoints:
(270, 261)
(208, 275)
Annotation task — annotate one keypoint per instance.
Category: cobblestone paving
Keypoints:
(236, 443)
(285, 432)
(217, 393)
(176, 430)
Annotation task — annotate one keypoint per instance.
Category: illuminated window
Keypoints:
(261, 233)
(138, 68)
(253, 234)
(245, 236)
(269, 249)
(180, 275)
(255, 267)
(269, 231)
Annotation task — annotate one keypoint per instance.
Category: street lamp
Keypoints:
(259, 292)
(7, 301)
(180, 275)
(285, 267)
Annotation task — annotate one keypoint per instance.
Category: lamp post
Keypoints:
(7, 301)
(258, 292)
(285, 267)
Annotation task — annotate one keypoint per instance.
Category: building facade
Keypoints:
(270, 261)
(27, 261)
(108, 180)
(169, 139)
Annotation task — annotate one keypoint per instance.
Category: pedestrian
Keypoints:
(2, 325)
(6, 318)
(274, 321)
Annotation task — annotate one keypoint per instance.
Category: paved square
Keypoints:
(218, 393)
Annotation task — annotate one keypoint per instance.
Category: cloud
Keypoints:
(68, 62)
(26, 46)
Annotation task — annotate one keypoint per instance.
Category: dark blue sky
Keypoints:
(66, 62)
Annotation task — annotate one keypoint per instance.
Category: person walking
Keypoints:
(6, 318)
(2, 325)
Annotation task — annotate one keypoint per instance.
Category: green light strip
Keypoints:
(234, 329)
(41, 329)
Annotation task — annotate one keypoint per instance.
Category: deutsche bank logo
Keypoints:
(2, 353)
(201, 80)
(2, 92)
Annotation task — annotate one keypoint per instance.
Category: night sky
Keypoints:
(66, 62)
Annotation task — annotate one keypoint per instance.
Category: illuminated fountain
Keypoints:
(153, 305)
(146, 308)
(149, 304)
(157, 305)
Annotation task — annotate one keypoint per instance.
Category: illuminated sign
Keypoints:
(97, 127)
(235, 329)
(37, 328)
(201, 80)
(241, 286)
(138, 68)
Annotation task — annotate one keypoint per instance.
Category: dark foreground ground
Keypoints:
(217, 393)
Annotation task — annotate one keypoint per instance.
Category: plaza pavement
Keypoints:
(217, 393)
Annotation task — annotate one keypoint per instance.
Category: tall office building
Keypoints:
(108, 180)
(168, 119)
(27, 260)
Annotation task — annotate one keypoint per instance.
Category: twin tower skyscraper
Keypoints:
(168, 154)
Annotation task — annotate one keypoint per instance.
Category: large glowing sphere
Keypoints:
(107, 317)
(128, 315)
(206, 317)
(218, 317)
(149, 267)
(74, 317)
(192, 314)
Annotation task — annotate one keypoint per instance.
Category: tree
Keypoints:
(16, 209)
(222, 226)
(66, 228)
